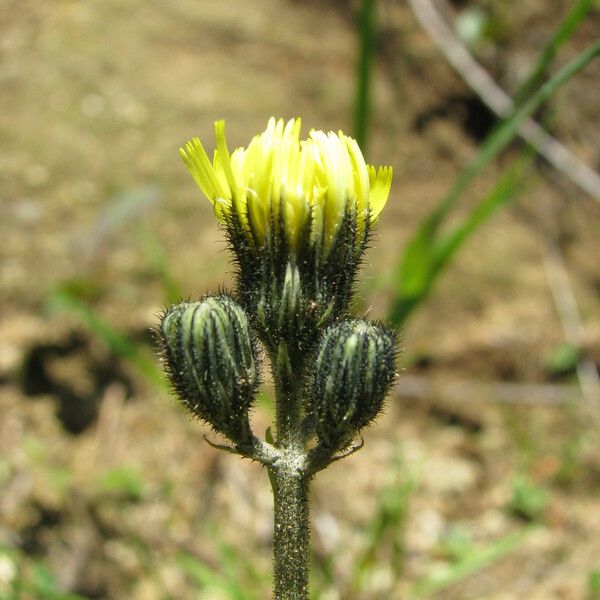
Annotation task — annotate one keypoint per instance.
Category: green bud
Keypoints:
(353, 371)
(291, 294)
(210, 357)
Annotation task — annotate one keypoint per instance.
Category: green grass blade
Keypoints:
(238, 567)
(117, 342)
(44, 586)
(562, 34)
(502, 135)
(428, 253)
(362, 109)
(387, 523)
(508, 188)
(413, 277)
(417, 269)
(206, 578)
(202, 575)
(474, 561)
(507, 130)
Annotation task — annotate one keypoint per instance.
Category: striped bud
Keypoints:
(353, 371)
(210, 357)
(291, 296)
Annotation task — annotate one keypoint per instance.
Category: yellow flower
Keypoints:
(279, 178)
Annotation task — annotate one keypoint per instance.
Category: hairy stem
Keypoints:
(291, 539)
(290, 481)
(289, 401)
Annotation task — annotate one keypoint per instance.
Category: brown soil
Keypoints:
(105, 482)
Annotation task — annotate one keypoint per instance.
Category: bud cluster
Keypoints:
(297, 215)
(210, 355)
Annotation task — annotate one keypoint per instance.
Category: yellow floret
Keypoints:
(315, 179)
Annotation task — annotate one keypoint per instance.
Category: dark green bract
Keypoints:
(210, 357)
(353, 372)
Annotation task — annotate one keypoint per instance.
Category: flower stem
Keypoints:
(288, 405)
(290, 480)
(291, 537)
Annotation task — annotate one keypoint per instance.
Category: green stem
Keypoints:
(291, 535)
(290, 482)
(288, 402)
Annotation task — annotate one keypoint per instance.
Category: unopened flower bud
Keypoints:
(210, 356)
(353, 371)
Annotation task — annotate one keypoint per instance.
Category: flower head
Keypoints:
(209, 353)
(353, 370)
(305, 186)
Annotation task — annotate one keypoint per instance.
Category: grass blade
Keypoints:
(202, 575)
(429, 252)
(502, 135)
(511, 184)
(209, 579)
(420, 265)
(387, 524)
(362, 110)
(475, 561)
(562, 34)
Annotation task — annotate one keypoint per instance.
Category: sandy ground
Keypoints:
(96, 99)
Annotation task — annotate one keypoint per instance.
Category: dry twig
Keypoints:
(570, 319)
(479, 80)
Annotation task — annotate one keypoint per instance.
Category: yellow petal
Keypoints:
(277, 174)
(196, 160)
(220, 173)
(224, 156)
(381, 182)
(360, 174)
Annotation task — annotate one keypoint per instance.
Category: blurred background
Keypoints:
(482, 479)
